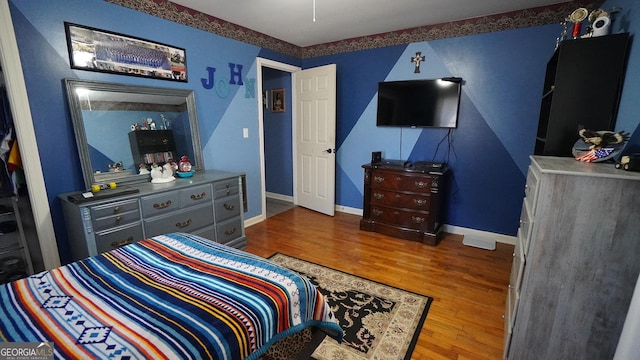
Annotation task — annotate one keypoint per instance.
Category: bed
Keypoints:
(173, 296)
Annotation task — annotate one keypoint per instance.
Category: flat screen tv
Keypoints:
(419, 103)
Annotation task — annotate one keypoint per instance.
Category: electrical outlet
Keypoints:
(245, 133)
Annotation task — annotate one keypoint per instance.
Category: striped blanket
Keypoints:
(173, 296)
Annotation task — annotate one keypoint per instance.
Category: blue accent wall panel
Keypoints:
(488, 152)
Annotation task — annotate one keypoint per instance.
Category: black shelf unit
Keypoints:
(152, 146)
(582, 87)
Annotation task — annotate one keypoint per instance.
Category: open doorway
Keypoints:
(278, 136)
(276, 152)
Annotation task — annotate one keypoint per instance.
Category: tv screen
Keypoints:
(419, 103)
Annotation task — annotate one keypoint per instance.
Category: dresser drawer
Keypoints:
(418, 220)
(228, 230)
(401, 200)
(208, 232)
(191, 219)
(526, 226)
(196, 195)
(160, 204)
(122, 218)
(114, 208)
(117, 237)
(227, 208)
(517, 267)
(221, 193)
(225, 188)
(394, 181)
(531, 189)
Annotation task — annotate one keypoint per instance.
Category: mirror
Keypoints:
(121, 129)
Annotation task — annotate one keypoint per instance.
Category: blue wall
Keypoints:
(488, 152)
(499, 108)
(278, 136)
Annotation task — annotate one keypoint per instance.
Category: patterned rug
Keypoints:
(379, 321)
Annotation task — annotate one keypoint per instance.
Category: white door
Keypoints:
(315, 138)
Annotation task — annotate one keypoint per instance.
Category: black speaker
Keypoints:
(376, 157)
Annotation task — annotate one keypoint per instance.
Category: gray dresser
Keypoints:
(208, 204)
(576, 261)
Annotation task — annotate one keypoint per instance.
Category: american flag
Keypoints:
(595, 154)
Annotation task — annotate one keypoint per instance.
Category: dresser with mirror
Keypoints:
(120, 204)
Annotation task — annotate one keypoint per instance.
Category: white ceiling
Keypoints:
(292, 20)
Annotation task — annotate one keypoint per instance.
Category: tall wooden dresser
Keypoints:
(404, 201)
(575, 261)
(208, 204)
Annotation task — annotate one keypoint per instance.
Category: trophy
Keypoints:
(576, 17)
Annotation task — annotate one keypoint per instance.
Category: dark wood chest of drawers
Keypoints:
(403, 202)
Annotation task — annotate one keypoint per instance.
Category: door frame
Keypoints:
(260, 63)
(25, 134)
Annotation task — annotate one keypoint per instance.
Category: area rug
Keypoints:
(379, 321)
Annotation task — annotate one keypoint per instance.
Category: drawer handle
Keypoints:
(377, 212)
(420, 202)
(378, 196)
(228, 191)
(228, 207)
(163, 205)
(230, 232)
(378, 179)
(422, 184)
(117, 244)
(116, 209)
(417, 219)
(198, 197)
(118, 219)
(183, 224)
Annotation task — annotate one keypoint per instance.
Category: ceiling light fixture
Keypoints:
(314, 10)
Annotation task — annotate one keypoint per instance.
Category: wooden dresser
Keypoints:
(404, 202)
(208, 204)
(575, 261)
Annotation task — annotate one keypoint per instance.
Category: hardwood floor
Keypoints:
(469, 285)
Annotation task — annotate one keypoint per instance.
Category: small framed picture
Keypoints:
(277, 100)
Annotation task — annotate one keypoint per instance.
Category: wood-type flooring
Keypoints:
(469, 285)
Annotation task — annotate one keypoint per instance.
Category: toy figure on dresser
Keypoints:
(598, 146)
(161, 174)
(185, 168)
(143, 169)
(629, 162)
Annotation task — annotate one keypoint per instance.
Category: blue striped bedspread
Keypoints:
(173, 296)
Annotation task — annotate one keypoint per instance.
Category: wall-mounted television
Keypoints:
(419, 103)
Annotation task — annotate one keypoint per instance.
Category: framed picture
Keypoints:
(277, 100)
(102, 51)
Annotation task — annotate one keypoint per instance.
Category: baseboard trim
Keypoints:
(282, 197)
(501, 238)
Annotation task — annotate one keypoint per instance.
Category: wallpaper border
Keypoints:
(545, 15)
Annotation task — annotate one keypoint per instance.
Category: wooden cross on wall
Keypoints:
(417, 59)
